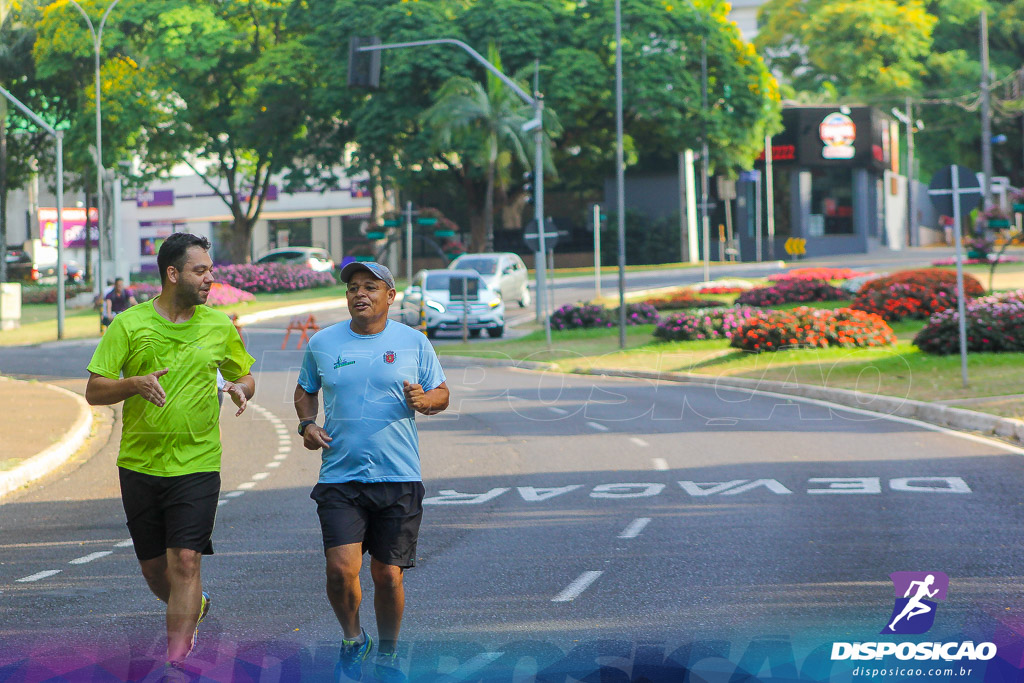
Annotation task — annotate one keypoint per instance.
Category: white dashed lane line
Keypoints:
(638, 441)
(39, 575)
(260, 476)
(245, 486)
(91, 556)
(635, 527)
(128, 543)
(597, 426)
(558, 411)
(234, 494)
(659, 463)
(574, 589)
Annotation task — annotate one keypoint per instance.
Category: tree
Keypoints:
(20, 140)
(880, 52)
(478, 123)
(218, 86)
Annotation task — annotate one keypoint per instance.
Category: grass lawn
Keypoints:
(900, 370)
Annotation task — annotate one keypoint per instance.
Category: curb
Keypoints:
(45, 461)
(1005, 428)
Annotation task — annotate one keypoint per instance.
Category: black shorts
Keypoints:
(384, 517)
(170, 512)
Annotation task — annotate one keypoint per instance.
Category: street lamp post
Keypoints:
(97, 39)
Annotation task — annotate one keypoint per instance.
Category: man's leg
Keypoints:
(185, 599)
(343, 589)
(388, 602)
(155, 573)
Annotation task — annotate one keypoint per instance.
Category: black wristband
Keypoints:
(303, 425)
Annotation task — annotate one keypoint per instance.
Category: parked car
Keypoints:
(21, 268)
(73, 272)
(504, 272)
(314, 257)
(483, 308)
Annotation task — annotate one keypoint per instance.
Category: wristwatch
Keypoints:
(303, 425)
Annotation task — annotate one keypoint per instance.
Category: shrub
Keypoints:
(790, 291)
(272, 277)
(581, 316)
(812, 327)
(680, 301)
(913, 293)
(709, 323)
(991, 325)
(816, 274)
(47, 294)
(855, 284)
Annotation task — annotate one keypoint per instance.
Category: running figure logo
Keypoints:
(916, 597)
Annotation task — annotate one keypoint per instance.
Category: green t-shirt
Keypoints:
(183, 436)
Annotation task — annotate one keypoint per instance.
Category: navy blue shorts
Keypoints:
(383, 516)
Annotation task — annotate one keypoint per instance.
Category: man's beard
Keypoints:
(192, 296)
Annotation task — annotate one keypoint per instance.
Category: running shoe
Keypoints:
(387, 669)
(351, 657)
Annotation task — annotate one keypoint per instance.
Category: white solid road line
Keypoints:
(659, 463)
(635, 527)
(638, 441)
(574, 589)
(40, 575)
(91, 556)
(598, 426)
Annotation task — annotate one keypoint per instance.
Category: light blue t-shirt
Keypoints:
(372, 427)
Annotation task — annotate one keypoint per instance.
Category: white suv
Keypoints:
(504, 272)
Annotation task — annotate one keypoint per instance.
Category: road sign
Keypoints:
(533, 241)
(796, 246)
(941, 190)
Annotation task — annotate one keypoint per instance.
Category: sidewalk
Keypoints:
(42, 426)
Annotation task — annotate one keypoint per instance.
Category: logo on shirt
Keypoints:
(389, 356)
(340, 363)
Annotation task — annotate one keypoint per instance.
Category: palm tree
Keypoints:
(482, 123)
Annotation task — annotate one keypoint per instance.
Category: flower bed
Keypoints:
(582, 316)
(790, 291)
(812, 327)
(722, 285)
(47, 294)
(991, 325)
(816, 274)
(220, 294)
(854, 284)
(272, 277)
(680, 301)
(709, 323)
(913, 293)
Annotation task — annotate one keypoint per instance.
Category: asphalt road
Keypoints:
(576, 528)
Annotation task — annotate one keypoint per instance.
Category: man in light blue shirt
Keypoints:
(376, 375)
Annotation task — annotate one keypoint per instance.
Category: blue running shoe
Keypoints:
(387, 669)
(203, 610)
(351, 658)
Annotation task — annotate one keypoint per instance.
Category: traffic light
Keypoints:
(528, 183)
(363, 67)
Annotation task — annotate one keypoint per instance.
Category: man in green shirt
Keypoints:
(161, 358)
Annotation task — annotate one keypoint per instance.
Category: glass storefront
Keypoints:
(831, 202)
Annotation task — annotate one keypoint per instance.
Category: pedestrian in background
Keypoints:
(376, 375)
(161, 358)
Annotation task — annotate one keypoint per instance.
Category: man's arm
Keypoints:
(426, 402)
(307, 406)
(240, 391)
(103, 391)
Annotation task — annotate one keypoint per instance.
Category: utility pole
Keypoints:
(986, 115)
(620, 175)
(705, 220)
